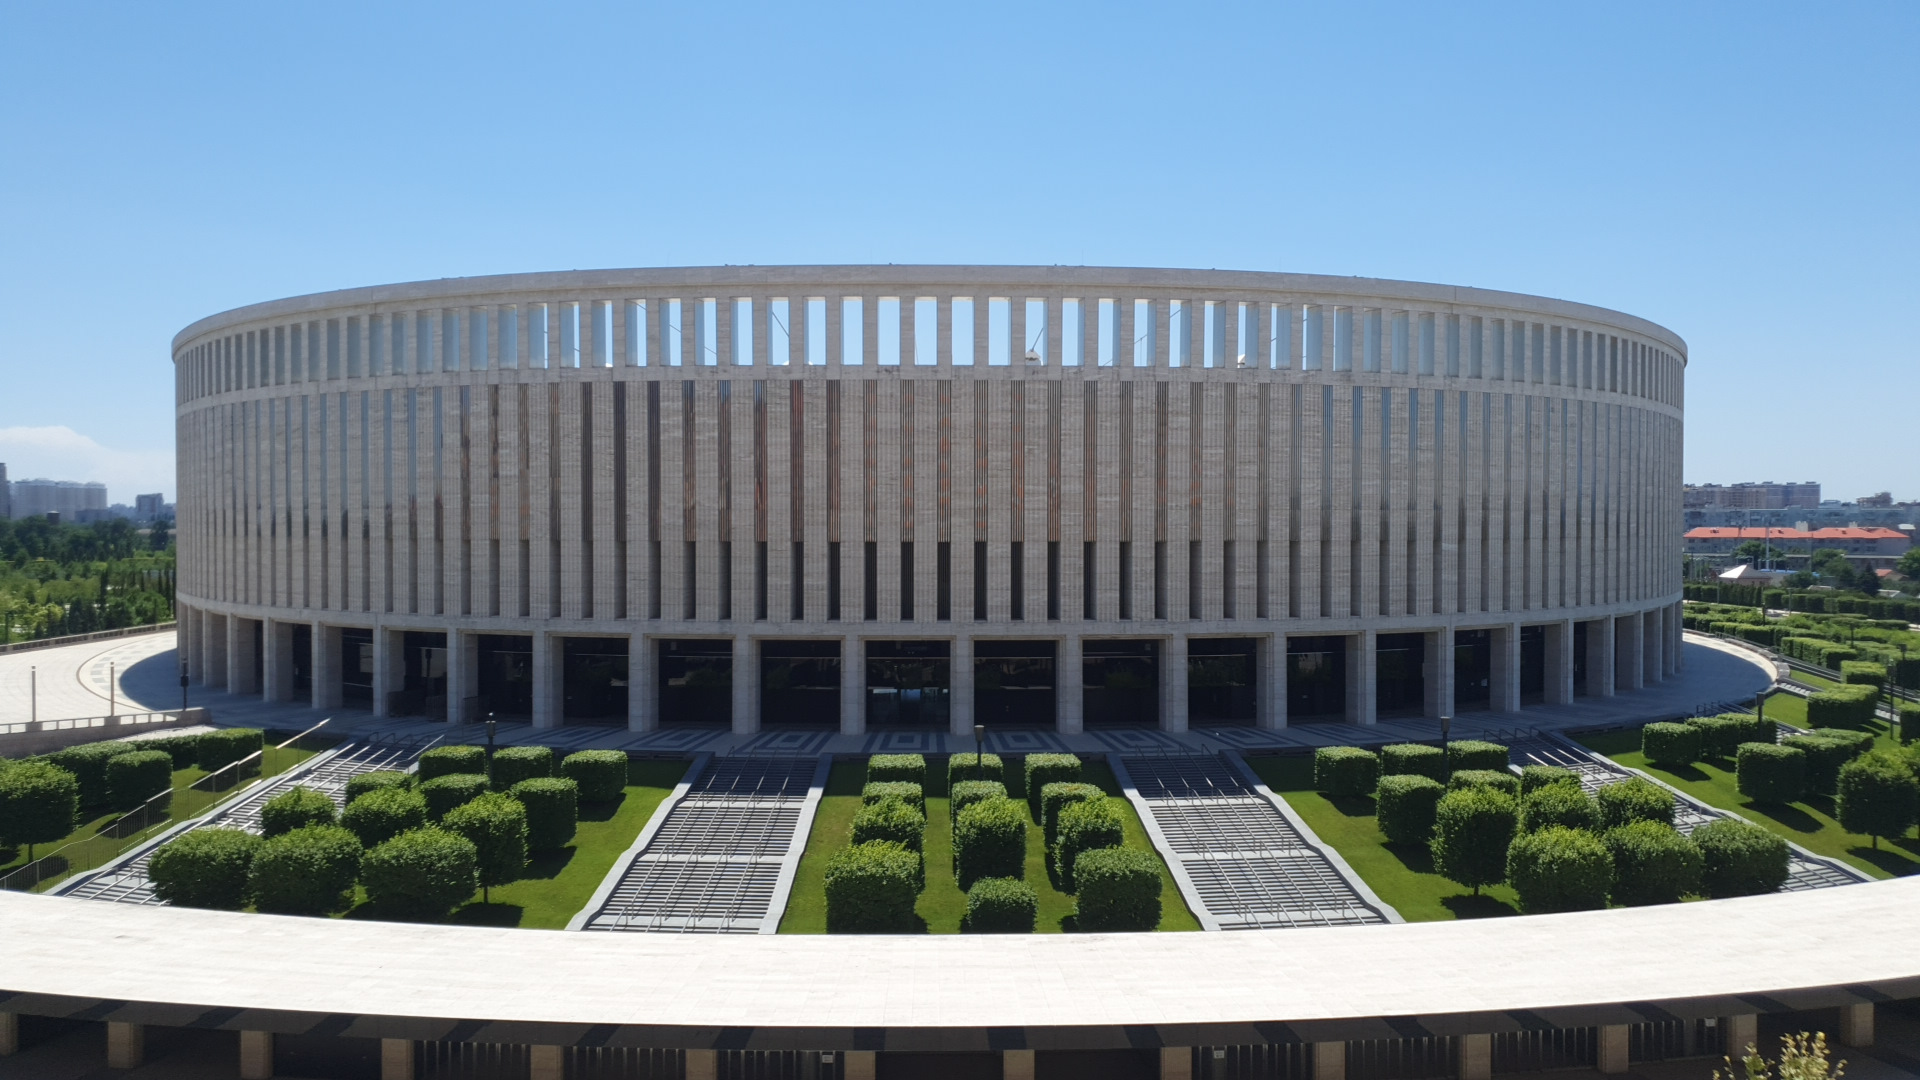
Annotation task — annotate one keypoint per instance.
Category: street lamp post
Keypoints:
(979, 737)
(490, 730)
(1446, 753)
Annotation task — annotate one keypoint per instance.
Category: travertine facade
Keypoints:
(1050, 463)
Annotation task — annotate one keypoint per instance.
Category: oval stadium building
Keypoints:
(872, 497)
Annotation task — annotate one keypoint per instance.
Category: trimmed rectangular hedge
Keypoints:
(1842, 706)
(1044, 769)
(887, 768)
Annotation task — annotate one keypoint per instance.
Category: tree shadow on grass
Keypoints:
(1353, 805)
(478, 914)
(546, 865)
(1886, 857)
(602, 811)
(1786, 814)
(1477, 907)
(1415, 857)
(1690, 773)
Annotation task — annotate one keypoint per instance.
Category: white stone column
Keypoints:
(126, 1045)
(853, 687)
(218, 638)
(396, 1059)
(546, 1062)
(1476, 1057)
(192, 636)
(1270, 683)
(1363, 678)
(643, 684)
(256, 1055)
(1016, 1065)
(1070, 699)
(1652, 665)
(960, 702)
(1611, 1053)
(705, 1064)
(1856, 1025)
(1743, 1030)
(1505, 668)
(1437, 669)
(1628, 652)
(326, 666)
(746, 686)
(1560, 663)
(546, 680)
(463, 675)
(240, 673)
(1176, 1063)
(389, 668)
(858, 1065)
(1173, 683)
(9, 1034)
(1600, 658)
(278, 676)
(1329, 1061)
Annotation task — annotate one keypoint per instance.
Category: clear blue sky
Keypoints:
(1744, 174)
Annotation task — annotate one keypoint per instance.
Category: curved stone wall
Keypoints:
(815, 494)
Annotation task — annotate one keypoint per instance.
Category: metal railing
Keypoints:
(82, 639)
(168, 808)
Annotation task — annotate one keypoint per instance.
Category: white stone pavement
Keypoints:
(73, 682)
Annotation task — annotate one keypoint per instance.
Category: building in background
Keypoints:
(1874, 547)
(1882, 498)
(151, 507)
(1765, 495)
(71, 499)
(6, 494)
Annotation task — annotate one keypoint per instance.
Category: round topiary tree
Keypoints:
(1498, 779)
(1345, 771)
(1535, 777)
(1671, 746)
(134, 778)
(1058, 797)
(379, 816)
(1562, 805)
(601, 774)
(1739, 858)
(1477, 754)
(871, 888)
(304, 871)
(361, 783)
(420, 874)
(205, 868)
(446, 760)
(39, 803)
(1118, 890)
(1652, 864)
(990, 841)
(496, 825)
(296, 808)
(1633, 800)
(516, 763)
(1001, 905)
(1084, 826)
(1559, 869)
(1404, 807)
(553, 810)
(1771, 773)
(1472, 829)
(1878, 796)
(443, 793)
(1413, 759)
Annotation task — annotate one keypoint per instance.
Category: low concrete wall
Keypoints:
(25, 739)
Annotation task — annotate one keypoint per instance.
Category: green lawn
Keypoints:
(942, 904)
(559, 883)
(1401, 875)
(1808, 823)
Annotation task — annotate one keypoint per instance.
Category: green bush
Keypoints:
(447, 760)
(1878, 796)
(183, 749)
(1564, 805)
(361, 783)
(1043, 769)
(1477, 754)
(904, 790)
(420, 874)
(296, 808)
(1652, 864)
(1413, 759)
(1056, 797)
(1842, 707)
(39, 803)
(496, 825)
(1720, 736)
(965, 766)
(447, 791)
(304, 871)
(600, 774)
(553, 810)
(886, 768)
(1739, 858)
(1084, 826)
(1863, 673)
(967, 792)
(1001, 905)
(990, 841)
(1859, 742)
(1909, 721)
(1535, 777)
(205, 868)
(1559, 869)
(217, 749)
(1405, 807)
(1671, 745)
(1499, 780)
(1345, 771)
(892, 820)
(134, 778)
(1119, 890)
(1633, 800)
(88, 764)
(379, 816)
(871, 889)
(1771, 773)
(1472, 828)
(516, 763)
(1824, 756)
